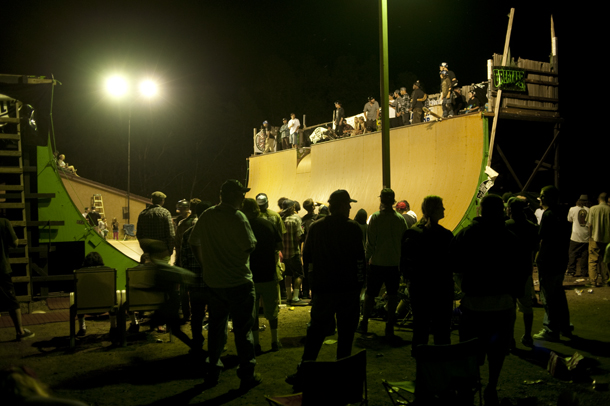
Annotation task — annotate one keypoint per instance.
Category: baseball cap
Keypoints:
(401, 206)
(233, 186)
(340, 196)
(583, 197)
(158, 194)
(261, 199)
(387, 194)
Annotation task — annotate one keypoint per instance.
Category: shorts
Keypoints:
(294, 266)
(7, 292)
(270, 292)
(379, 275)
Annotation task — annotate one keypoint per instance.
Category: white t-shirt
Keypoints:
(578, 217)
(294, 125)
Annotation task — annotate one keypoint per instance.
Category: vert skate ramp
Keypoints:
(75, 228)
(445, 158)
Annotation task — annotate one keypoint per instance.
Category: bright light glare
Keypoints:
(148, 88)
(116, 86)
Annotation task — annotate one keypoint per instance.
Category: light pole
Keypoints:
(118, 87)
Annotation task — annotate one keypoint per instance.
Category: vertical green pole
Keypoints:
(384, 102)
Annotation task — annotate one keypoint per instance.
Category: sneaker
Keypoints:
(247, 384)
(133, 328)
(546, 335)
(82, 332)
(363, 327)
(527, 341)
(258, 350)
(294, 379)
(296, 301)
(26, 334)
(275, 347)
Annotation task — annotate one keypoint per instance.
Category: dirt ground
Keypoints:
(148, 372)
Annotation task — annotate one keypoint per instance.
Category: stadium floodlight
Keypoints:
(148, 88)
(116, 86)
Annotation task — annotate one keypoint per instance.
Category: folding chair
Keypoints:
(94, 292)
(139, 296)
(340, 382)
(129, 231)
(445, 375)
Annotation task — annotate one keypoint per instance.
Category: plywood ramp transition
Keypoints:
(445, 158)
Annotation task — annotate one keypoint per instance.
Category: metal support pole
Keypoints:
(129, 167)
(385, 105)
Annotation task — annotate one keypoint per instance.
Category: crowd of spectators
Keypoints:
(237, 252)
(405, 108)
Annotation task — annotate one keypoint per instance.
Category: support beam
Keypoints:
(529, 181)
(499, 95)
(510, 168)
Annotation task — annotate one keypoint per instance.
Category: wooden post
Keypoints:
(499, 94)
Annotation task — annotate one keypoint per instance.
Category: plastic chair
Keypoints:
(94, 292)
(129, 231)
(340, 382)
(445, 375)
(139, 296)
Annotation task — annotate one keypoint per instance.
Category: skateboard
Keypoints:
(428, 111)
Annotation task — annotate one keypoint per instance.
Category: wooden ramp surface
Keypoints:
(445, 158)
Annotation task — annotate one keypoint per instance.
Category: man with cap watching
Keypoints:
(291, 252)
(155, 229)
(269, 137)
(371, 112)
(418, 97)
(383, 245)
(334, 257)
(285, 134)
(579, 240)
(404, 209)
(189, 218)
(222, 241)
(263, 204)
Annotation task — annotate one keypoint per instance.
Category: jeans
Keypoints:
(237, 301)
(596, 265)
(198, 303)
(579, 254)
(556, 312)
(346, 306)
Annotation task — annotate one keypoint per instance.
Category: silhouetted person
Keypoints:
(598, 220)
(335, 280)
(222, 241)
(263, 262)
(527, 234)
(8, 298)
(579, 240)
(385, 233)
(552, 261)
(484, 256)
(424, 256)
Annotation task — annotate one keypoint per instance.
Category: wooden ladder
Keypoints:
(98, 203)
(13, 189)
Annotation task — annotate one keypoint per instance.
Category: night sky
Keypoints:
(224, 67)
